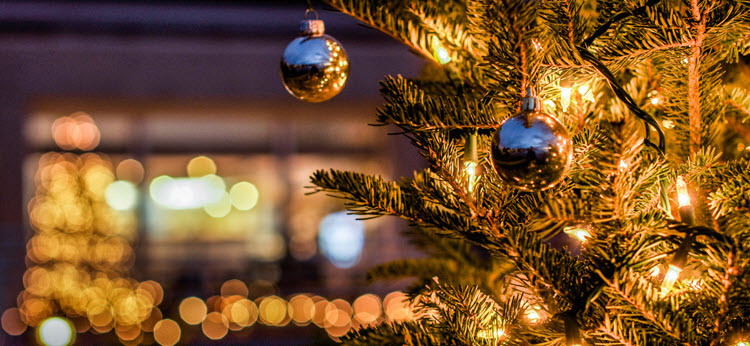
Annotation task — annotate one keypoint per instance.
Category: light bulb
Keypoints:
(623, 166)
(439, 52)
(532, 314)
(585, 91)
(670, 278)
(470, 167)
(537, 45)
(565, 98)
(579, 232)
(743, 343)
(655, 271)
(495, 333)
(683, 198)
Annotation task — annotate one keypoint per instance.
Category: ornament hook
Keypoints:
(307, 11)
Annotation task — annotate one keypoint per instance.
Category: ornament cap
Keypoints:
(312, 27)
(531, 102)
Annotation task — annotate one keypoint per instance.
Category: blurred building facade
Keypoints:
(160, 83)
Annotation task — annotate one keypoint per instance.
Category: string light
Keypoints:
(623, 166)
(655, 271)
(687, 216)
(566, 87)
(495, 333)
(586, 92)
(670, 278)
(656, 99)
(439, 52)
(580, 232)
(537, 45)
(471, 160)
(683, 198)
(534, 314)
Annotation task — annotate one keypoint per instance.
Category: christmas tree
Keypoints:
(642, 240)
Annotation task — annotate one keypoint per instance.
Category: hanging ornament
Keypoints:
(531, 150)
(314, 67)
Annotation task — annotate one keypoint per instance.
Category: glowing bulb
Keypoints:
(550, 104)
(439, 52)
(565, 98)
(585, 91)
(470, 167)
(743, 343)
(537, 45)
(623, 166)
(683, 198)
(655, 271)
(579, 232)
(671, 277)
(655, 101)
(532, 314)
(496, 333)
(668, 124)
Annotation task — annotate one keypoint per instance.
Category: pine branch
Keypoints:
(398, 333)
(411, 109)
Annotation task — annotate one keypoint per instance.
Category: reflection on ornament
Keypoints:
(531, 150)
(314, 66)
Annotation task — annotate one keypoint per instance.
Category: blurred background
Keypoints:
(154, 174)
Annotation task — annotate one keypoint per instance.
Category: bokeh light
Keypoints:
(396, 307)
(12, 322)
(234, 287)
(220, 208)
(121, 195)
(130, 170)
(244, 195)
(272, 310)
(56, 331)
(303, 309)
(215, 326)
(80, 251)
(188, 193)
(367, 308)
(193, 310)
(341, 239)
(244, 312)
(76, 131)
(167, 332)
(201, 166)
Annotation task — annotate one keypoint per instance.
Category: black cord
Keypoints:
(618, 17)
(623, 95)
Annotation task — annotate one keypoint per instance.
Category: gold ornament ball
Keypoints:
(314, 66)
